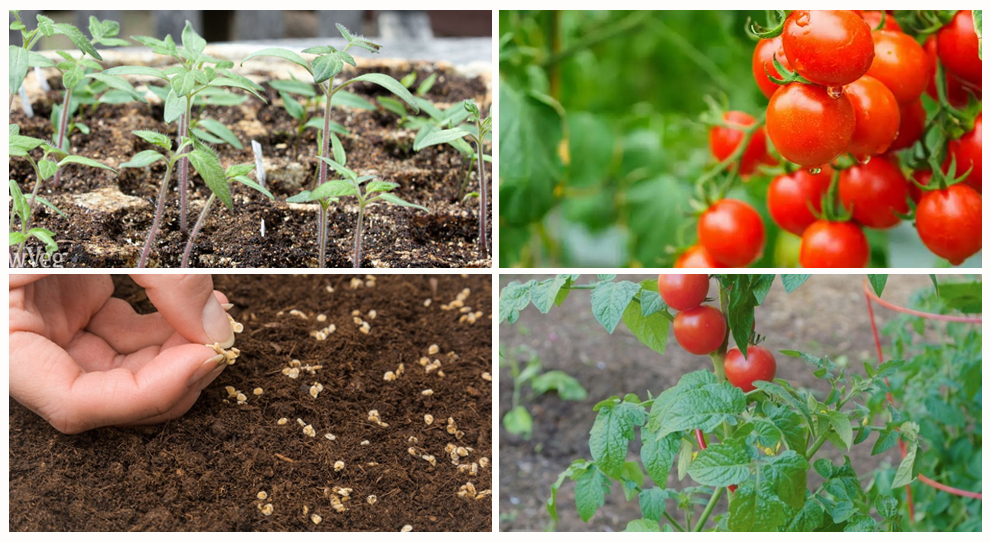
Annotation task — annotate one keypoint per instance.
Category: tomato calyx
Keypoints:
(775, 25)
(787, 76)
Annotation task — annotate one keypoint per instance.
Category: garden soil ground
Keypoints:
(203, 471)
(825, 316)
(109, 214)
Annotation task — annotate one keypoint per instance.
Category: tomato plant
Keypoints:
(834, 244)
(959, 48)
(763, 56)
(967, 152)
(724, 140)
(734, 430)
(682, 292)
(950, 222)
(828, 47)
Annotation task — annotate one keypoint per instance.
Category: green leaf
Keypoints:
(191, 40)
(396, 200)
(906, 470)
(339, 168)
(155, 138)
(650, 330)
(21, 206)
(843, 428)
(756, 508)
(338, 150)
(544, 293)
(292, 107)
(119, 84)
(878, 282)
(793, 282)
(221, 131)
(50, 205)
(326, 67)
(589, 494)
(609, 301)
(657, 455)
(38, 60)
(175, 107)
(72, 76)
(642, 526)
(566, 386)
(294, 86)
(18, 66)
(514, 298)
(427, 84)
(349, 99)
(440, 137)
(15, 238)
(207, 164)
(47, 168)
(391, 85)
(143, 159)
(334, 189)
(379, 186)
(518, 422)
(787, 475)
(529, 166)
(610, 435)
(45, 236)
(345, 33)
(252, 184)
(302, 197)
(723, 464)
(78, 39)
(83, 161)
(284, 54)
(136, 70)
(653, 502)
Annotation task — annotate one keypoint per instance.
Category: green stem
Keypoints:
(184, 164)
(19, 262)
(717, 496)
(673, 521)
(483, 192)
(599, 36)
(63, 125)
(196, 228)
(818, 444)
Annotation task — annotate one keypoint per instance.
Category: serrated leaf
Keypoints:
(155, 138)
(191, 40)
(793, 282)
(843, 428)
(545, 292)
(657, 455)
(878, 282)
(650, 330)
(609, 301)
(78, 39)
(723, 464)
(379, 186)
(589, 493)
(207, 164)
(17, 66)
(175, 107)
(47, 168)
(326, 67)
(610, 435)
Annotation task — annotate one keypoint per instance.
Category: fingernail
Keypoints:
(227, 306)
(212, 376)
(216, 323)
(216, 362)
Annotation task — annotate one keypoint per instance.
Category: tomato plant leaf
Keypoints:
(653, 501)
(650, 330)
(576, 467)
(756, 508)
(843, 428)
(545, 292)
(84, 162)
(518, 422)
(174, 107)
(396, 200)
(566, 386)
(391, 85)
(761, 287)
(513, 299)
(440, 137)
(705, 408)
(723, 464)
(222, 132)
(878, 282)
(207, 164)
(609, 300)
(808, 518)
(589, 494)
(614, 427)
(18, 67)
(78, 39)
(631, 479)
(787, 473)
(793, 282)
(642, 526)
(657, 455)
(788, 423)
(284, 54)
(47, 168)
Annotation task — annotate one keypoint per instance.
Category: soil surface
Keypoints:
(827, 315)
(108, 214)
(203, 471)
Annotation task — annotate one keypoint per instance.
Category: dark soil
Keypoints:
(827, 315)
(203, 471)
(112, 232)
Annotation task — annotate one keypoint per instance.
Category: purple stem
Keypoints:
(483, 185)
(62, 125)
(183, 172)
(357, 237)
(196, 228)
(323, 217)
(158, 217)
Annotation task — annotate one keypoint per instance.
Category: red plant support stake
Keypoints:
(870, 299)
(704, 446)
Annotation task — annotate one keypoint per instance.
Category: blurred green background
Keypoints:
(600, 139)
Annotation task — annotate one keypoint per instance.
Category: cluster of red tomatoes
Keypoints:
(701, 329)
(853, 83)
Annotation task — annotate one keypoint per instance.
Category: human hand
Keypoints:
(81, 359)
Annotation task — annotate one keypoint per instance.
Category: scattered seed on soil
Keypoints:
(486, 376)
(428, 419)
(321, 318)
(433, 349)
(372, 499)
(299, 313)
(356, 283)
(365, 443)
(316, 519)
(258, 391)
(309, 431)
(336, 503)
(262, 495)
(427, 302)
(338, 466)
(330, 436)
(282, 421)
(372, 315)
(427, 392)
(389, 376)
(406, 529)
(267, 509)
(483, 462)
(241, 398)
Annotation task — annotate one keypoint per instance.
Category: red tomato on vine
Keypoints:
(956, 92)
(873, 18)
(696, 257)
(900, 64)
(968, 154)
(809, 127)
(763, 57)
(922, 177)
(682, 292)
(959, 48)
(724, 140)
(828, 47)
(741, 372)
(732, 232)
(912, 126)
(874, 191)
(794, 199)
(878, 117)
(834, 244)
(950, 222)
(700, 330)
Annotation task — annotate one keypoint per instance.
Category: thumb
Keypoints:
(188, 303)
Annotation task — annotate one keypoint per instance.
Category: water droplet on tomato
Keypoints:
(804, 19)
(834, 92)
(815, 170)
(863, 159)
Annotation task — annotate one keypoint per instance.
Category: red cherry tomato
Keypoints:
(912, 126)
(807, 126)
(922, 177)
(700, 330)
(697, 257)
(968, 154)
(757, 365)
(874, 191)
(900, 64)
(959, 48)
(828, 47)
(763, 57)
(723, 141)
(791, 198)
(878, 117)
(682, 292)
(732, 232)
(955, 90)
(873, 18)
(834, 244)
(950, 222)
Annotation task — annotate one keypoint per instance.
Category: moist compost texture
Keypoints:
(204, 471)
(108, 215)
